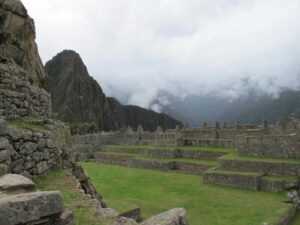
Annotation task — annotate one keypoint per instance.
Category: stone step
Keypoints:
(273, 167)
(242, 180)
(250, 180)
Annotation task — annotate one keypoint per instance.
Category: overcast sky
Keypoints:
(135, 48)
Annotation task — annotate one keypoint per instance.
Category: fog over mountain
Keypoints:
(138, 49)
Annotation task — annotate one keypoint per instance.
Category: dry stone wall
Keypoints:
(271, 146)
(33, 152)
(18, 97)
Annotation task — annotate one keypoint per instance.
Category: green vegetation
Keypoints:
(136, 156)
(155, 192)
(74, 200)
(143, 147)
(235, 156)
(296, 220)
(248, 174)
(29, 124)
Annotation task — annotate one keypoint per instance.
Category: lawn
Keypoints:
(126, 188)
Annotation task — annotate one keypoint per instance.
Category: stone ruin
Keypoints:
(32, 144)
(20, 203)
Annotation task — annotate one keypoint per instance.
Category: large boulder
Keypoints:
(29, 207)
(171, 217)
(14, 182)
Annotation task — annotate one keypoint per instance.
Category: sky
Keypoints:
(137, 48)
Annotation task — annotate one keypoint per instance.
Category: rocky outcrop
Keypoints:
(78, 98)
(20, 204)
(22, 76)
(17, 38)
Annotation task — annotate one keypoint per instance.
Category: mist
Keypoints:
(136, 49)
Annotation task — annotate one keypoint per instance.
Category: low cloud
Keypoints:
(141, 47)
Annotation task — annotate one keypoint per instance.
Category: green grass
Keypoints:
(136, 156)
(58, 180)
(234, 156)
(192, 148)
(28, 124)
(225, 172)
(155, 192)
(296, 220)
(281, 178)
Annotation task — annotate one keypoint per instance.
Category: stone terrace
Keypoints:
(263, 163)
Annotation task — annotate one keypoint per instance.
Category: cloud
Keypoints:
(141, 47)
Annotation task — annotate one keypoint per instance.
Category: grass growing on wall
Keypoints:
(29, 124)
(154, 192)
(74, 200)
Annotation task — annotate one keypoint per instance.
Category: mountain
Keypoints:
(78, 98)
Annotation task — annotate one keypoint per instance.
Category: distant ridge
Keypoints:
(78, 98)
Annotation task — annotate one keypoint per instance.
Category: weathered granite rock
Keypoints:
(11, 182)
(86, 185)
(125, 221)
(22, 75)
(18, 40)
(171, 217)
(106, 213)
(29, 207)
(134, 214)
(3, 127)
(66, 218)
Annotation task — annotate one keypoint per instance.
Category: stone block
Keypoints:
(13, 182)
(171, 217)
(29, 207)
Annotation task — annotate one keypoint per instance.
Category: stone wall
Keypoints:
(22, 75)
(33, 151)
(267, 167)
(270, 146)
(155, 164)
(18, 97)
(250, 181)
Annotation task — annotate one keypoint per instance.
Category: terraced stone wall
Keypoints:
(33, 151)
(270, 146)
